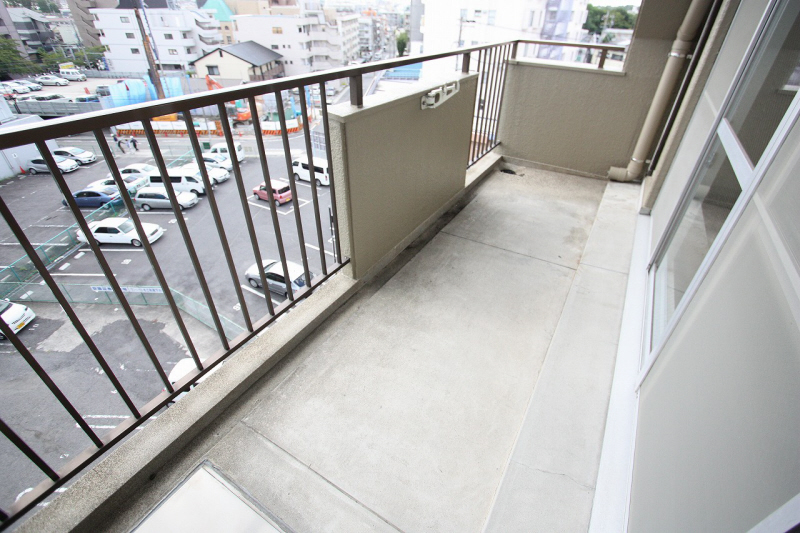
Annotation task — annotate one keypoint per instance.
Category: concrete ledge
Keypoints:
(577, 67)
(552, 168)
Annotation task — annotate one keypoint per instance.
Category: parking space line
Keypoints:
(77, 275)
(259, 205)
(251, 289)
(317, 249)
(115, 250)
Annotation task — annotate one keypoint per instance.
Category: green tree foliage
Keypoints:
(12, 62)
(19, 3)
(600, 17)
(89, 56)
(47, 6)
(51, 60)
(402, 43)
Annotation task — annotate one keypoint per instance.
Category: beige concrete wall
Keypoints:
(398, 164)
(229, 67)
(718, 430)
(582, 119)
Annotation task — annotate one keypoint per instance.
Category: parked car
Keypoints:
(49, 79)
(182, 180)
(156, 198)
(83, 157)
(64, 165)
(218, 161)
(273, 271)
(183, 367)
(133, 182)
(16, 316)
(139, 169)
(215, 175)
(51, 98)
(102, 90)
(222, 149)
(281, 192)
(32, 85)
(118, 230)
(24, 97)
(72, 74)
(321, 172)
(103, 197)
(89, 98)
(11, 87)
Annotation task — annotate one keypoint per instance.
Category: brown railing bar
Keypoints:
(602, 62)
(248, 217)
(489, 109)
(502, 93)
(212, 202)
(491, 137)
(184, 229)
(71, 125)
(465, 63)
(297, 219)
(3, 516)
(514, 47)
(356, 91)
(482, 55)
(273, 207)
(337, 249)
(101, 260)
(22, 446)
(34, 364)
(148, 248)
(568, 44)
(312, 175)
(58, 294)
(487, 101)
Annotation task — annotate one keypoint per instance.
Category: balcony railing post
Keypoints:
(356, 91)
(603, 52)
(465, 64)
(514, 49)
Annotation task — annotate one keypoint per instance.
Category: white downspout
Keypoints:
(677, 56)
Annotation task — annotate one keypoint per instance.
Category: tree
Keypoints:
(47, 6)
(19, 3)
(11, 60)
(402, 43)
(601, 17)
(51, 60)
(88, 57)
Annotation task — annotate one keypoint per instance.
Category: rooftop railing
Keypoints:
(488, 61)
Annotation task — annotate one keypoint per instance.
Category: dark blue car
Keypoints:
(95, 198)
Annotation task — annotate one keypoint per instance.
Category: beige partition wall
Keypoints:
(399, 164)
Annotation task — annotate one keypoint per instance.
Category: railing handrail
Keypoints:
(65, 126)
(570, 44)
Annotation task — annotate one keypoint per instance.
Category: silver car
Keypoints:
(156, 198)
(273, 272)
(64, 165)
(51, 80)
(83, 157)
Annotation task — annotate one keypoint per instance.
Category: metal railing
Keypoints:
(489, 61)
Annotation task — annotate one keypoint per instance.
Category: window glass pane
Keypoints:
(712, 199)
(768, 86)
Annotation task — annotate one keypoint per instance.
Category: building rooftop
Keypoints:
(219, 10)
(249, 51)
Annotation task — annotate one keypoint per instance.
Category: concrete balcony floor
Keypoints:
(463, 389)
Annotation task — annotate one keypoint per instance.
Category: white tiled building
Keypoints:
(309, 42)
(179, 37)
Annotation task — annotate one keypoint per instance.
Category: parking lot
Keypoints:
(36, 204)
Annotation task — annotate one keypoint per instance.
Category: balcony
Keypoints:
(448, 355)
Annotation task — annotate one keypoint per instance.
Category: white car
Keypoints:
(133, 182)
(157, 197)
(139, 169)
(215, 175)
(12, 87)
(83, 157)
(183, 367)
(15, 315)
(218, 161)
(64, 165)
(119, 230)
(51, 80)
(273, 272)
(222, 149)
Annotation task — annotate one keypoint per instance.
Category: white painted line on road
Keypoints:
(77, 275)
(79, 255)
(114, 250)
(302, 184)
(106, 416)
(261, 206)
(312, 247)
(25, 296)
(5, 278)
(64, 266)
(250, 289)
(47, 226)
(97, 427)
(126, 261)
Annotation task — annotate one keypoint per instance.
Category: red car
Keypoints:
(281, 192)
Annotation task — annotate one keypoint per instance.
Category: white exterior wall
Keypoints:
(514, 19)
(287, 40)
(230, 67)
(185, 46)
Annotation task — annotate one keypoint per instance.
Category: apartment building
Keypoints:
(84, 20)
(33, 29)
(308, 42)
(178, 36)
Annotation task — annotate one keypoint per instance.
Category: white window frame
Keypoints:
(749, 178)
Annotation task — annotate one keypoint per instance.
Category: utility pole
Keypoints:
(155, 77)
